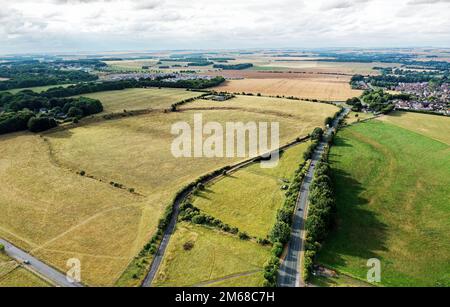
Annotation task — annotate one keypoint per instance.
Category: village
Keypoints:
(425, 97)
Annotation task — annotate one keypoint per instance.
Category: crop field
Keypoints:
(139, 98)
(14, 275)
(321, 89)
(324, 67)
(219, 259)
(249, 198)
(392, 198)
(86, 217)
(131, 65)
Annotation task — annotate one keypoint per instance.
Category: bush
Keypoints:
(280, 232)
(188, 245)
(243, 236)
(75, 112)
(277, 249)
(39, 124)
(2, 248)
(82, 173)
(317, 134)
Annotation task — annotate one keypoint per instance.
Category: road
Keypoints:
(41, 268)
(289, 274)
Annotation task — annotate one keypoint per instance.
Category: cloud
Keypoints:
(59, 25)
(415, 2)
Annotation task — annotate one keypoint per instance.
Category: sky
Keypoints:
(117, 25)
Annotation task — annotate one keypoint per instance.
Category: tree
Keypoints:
(75, 112)
(280, 232)
(38, 124)
(317, 134)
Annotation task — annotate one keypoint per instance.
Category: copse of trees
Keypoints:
(233, 66)
(42, 123)
(36, 112)
(31, 74)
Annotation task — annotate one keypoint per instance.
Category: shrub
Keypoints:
(75, 112)
(187, 246)
(280, 232)
(2, 248)
(277, 249)
(243, 236)
(39, 124)
(317, 134)
(82, 173)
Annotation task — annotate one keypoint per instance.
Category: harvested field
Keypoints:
(329, 90)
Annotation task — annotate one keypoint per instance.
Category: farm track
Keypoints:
(210, 282)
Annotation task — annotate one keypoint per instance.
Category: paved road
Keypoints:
(289, 274)
(38, 266)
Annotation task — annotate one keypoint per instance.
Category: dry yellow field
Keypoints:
(141, 98)
(12, 274)
(50, 210)
(332, 89)
(215, 258)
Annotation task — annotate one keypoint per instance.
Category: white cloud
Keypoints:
(71, 25)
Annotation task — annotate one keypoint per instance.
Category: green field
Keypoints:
(392, 198)
(37, 89)
(249, 198)
(140, 98)
(214, 259)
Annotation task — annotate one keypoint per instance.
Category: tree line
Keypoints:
(93, 87)
(35, 112)
(233, 66)
(23, 75)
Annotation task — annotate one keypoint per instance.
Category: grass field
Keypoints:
(432, 126)
(216, 259)
(14, 275)
(131, 65)
(249, 198)
(354, 117)
(139, 98)
(392, 199)
(321, 89)
(87, 218)
(37, 89)
(338, 281)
